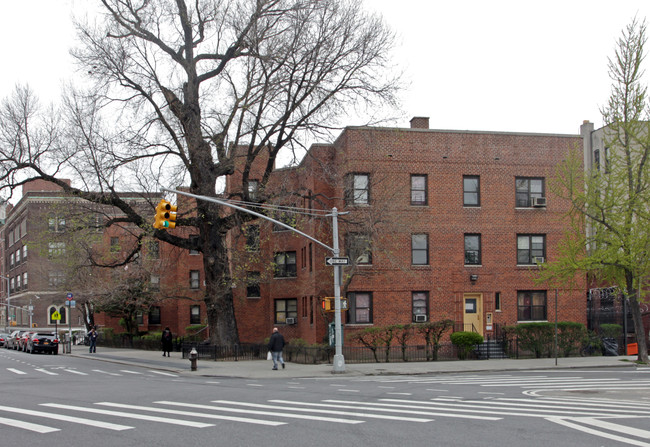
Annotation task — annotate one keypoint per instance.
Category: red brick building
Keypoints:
(441, 224)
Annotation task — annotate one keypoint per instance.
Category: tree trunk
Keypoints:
(637, 319)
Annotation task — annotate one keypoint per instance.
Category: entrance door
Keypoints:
(473, 311)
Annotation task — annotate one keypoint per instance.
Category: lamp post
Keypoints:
(8, 298)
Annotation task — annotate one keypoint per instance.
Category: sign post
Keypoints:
(69, 297)
(56, 316)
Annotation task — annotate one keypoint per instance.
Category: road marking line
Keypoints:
(61, 417)
(615, 427)
(194, 414)
(131, 415)
(163, 373)
(315, 410)
(130, 372)
(28, 426)
(106, 372)
(45, 371)
(266, 413)
(16, 371)
(398, 409)
(566, 422)
(75, 372)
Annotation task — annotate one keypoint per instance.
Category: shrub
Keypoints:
(570, 337)
(536, 337)
(610, 330)
(433, 332)
(465, 341)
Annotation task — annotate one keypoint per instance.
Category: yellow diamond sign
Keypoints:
(56, 316)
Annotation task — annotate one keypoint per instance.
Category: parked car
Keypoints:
(12, 341)
(22, 341)
(3, 339)
(43, 342)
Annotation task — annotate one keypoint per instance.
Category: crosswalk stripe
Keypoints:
(266, 413)
(28, 426)
(163, 373)
(377, 407)
(106, 372)
(615, 427)
(539, 406)
(60, 417)
(567, 423)
(45, 371)
(460, 407)
(130, 372)
(131, 415)
(593, 401)
(314, 410)
(610, 404)
(16, 371)
(193, 414)
(75, 372)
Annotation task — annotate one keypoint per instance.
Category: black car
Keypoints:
(44, 342)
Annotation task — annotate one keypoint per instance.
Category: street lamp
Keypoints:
(8, 298)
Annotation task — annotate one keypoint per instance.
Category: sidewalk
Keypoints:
(261, 369)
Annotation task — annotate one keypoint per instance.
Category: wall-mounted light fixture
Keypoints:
(473, 278)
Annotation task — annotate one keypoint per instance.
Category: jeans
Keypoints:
(277, 356)
(93, 344)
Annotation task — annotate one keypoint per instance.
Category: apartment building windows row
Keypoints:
(358, 248)
(195, 279)
(471, 190)
(528, 191)
(195, 314)
(358, 189)
(531, 305)
(472, 249)
(420, 306)
(420, 249)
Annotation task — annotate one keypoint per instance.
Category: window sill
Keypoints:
(473, 265)
(253, 297)
(531, 321)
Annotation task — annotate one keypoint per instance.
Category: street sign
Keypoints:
(56, 316)
(72, 303)
(69, 296)
(337, 261)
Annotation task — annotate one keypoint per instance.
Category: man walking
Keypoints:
(92, 337)
(276, 344)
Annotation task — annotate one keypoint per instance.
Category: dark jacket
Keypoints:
(276, 343)
(167, 340)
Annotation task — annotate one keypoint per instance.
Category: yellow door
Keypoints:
(472, 312)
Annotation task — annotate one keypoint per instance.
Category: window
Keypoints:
(253, 238)
(285, 308)
(193, 239)
(471, 190)
(55, 249)
(472, 249)
(531, 249)
(23, 228)
(358, 248)
(285, 264)
(195, 279)
(420, 249)
(531, 305)
(153, 250)
(596, 164)
(195, 314)
(55, 279)
(420, 302)
(12, 260)
(253, 189)
(154, 315)
(497, 301)
(418, 189)
(253, 285)
(139, 317)
(12, 284)
(18, 282)
(56, 224)
(25, 279)
(526, 189)
(154, 281)
(18, 257)
(11, 238)
(358, 192)
(24, 253)
(359, 308)
(62, 313)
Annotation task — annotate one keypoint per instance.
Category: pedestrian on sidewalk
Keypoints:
(167, 342)
(276, 345)
(92, 337)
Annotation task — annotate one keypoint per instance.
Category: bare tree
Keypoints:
(177, 86)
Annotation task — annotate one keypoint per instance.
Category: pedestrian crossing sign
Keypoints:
(56, 316)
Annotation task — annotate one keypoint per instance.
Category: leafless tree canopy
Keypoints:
(175, 86)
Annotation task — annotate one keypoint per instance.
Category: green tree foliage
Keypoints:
(608, 227)
(465, 342)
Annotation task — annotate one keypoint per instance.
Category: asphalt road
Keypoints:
(65, 401)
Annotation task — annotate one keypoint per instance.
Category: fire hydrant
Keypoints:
(193, 358)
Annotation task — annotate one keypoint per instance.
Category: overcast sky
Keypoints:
(470, 65)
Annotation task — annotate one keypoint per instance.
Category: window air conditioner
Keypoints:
(420, 318)
(539, 201)
(538, 259)
(290, 320)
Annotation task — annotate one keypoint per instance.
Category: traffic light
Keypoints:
(328, 304)
(165, 216)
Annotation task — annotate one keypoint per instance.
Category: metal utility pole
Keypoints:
(339, 361)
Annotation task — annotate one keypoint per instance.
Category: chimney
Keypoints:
(420, 122)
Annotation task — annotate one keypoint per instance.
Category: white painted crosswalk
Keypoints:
(58, 371)
(605, 418)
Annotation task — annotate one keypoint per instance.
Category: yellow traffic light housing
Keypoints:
(165, 216)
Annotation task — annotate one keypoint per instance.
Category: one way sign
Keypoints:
(337, 261)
